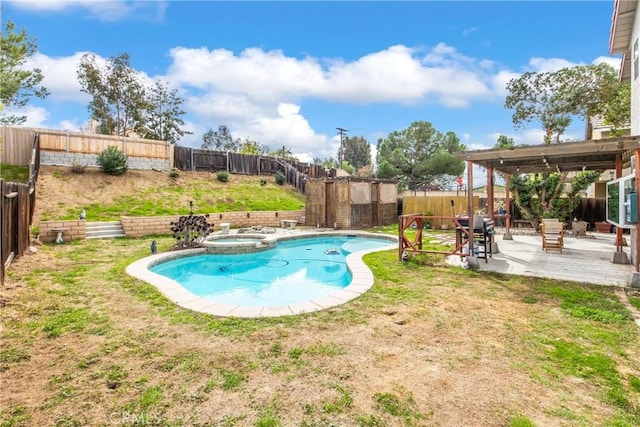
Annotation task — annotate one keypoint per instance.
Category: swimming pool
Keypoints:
(301, 274)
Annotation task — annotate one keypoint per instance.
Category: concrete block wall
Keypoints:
(62, 158)
(74, 230)
(144, 226)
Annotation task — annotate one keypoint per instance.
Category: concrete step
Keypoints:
(104, 230)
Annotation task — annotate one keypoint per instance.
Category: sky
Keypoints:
(290, 73)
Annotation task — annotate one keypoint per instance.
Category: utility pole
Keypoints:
(342, 132)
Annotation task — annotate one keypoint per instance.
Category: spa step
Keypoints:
(104, 230)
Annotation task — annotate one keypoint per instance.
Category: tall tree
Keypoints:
(419, 155)
(553, 99)
(220, 140)
(357, 151)
(118, 95)
(162, 119)
(617, 113)
(17, 84)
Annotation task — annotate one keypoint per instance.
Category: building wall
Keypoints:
(635, 81)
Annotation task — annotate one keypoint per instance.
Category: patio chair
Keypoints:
(552, 235)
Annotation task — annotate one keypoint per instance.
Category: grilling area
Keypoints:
(597, 257)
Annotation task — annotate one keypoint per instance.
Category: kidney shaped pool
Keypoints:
(298, 275)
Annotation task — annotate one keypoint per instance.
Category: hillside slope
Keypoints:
(62, 194)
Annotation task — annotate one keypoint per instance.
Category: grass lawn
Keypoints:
(85, 344)
(12, 173)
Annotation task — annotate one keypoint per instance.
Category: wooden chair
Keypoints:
(552, 235)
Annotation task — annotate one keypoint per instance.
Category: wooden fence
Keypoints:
(17, 206)
(15, 145)
(295, 173)
(17, 141)
(437, 206)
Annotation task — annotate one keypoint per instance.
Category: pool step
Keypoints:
(104, 230)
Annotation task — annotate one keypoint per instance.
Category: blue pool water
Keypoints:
(293, 272)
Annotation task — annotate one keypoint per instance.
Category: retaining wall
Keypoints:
(73, 230)
(61, 158)
(144, 226)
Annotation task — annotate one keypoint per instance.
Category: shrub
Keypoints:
(77, 167)
(223, 176)
(279, 178)
(191, 230)
(113, 161)
(174, 173)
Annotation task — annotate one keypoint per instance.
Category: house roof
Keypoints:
(598, 155)
(624, 12)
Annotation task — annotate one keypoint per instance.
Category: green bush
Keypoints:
(174, 173)
(279, 178)
(113, 161)
(223, 176)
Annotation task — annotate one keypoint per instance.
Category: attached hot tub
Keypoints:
(238, 243)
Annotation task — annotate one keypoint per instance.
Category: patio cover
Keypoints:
(598, 155)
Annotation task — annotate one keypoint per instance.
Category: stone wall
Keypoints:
(144, 226)
(62, 158)
(72, 230)
(161, 225)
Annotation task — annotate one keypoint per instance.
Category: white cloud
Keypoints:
(543, 65)
(98, 10)
(36, 116)
(614, 62)
(60, 77)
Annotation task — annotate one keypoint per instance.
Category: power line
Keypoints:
(342, 132)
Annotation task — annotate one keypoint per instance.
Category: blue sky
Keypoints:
(289, 73)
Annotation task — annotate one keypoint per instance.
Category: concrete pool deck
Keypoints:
(362, 280)
(583, 259)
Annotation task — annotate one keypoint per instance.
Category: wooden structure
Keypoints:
(350, 203)
(552, 235)
(16, 139)
(17, 206)
(295, 173)
(598, 155)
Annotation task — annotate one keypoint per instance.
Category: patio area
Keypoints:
(583, 259)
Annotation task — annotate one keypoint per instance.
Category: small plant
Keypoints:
(113, 161)
(191, 230)
(223, 176)
(280, 178)
(174, 173)
(77, 167)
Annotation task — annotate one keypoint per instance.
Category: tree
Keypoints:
(284, 153)
(253, 147)
(555, 98)
(617, 113)
(357, 151)
(220, 140)
(419, 155)
(504, 142)
(161, 119)
(17, 85)
(118, 96)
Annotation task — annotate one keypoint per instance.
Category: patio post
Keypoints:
(471, 259)
(507, 207)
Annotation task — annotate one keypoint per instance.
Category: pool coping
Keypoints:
(362, 281)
